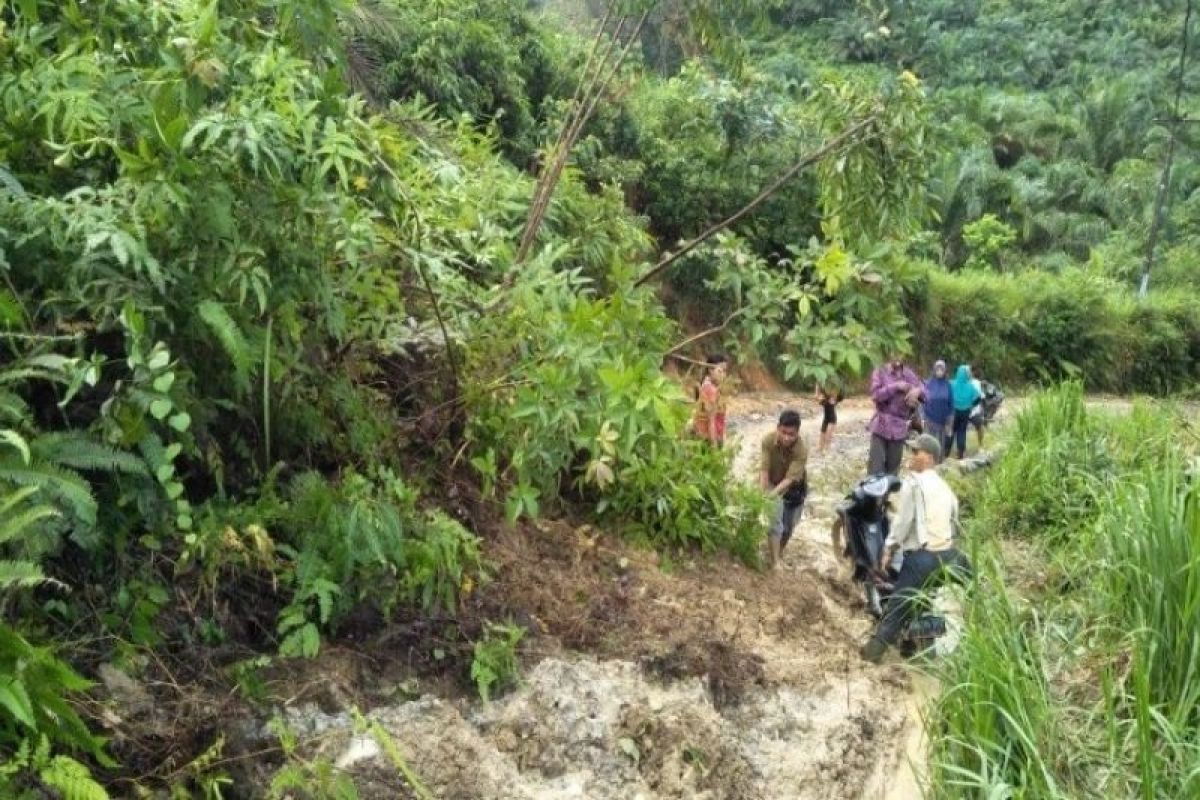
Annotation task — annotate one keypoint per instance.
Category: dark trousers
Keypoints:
(885, 455)
(941, 432)
(921, 572)
(962, 419)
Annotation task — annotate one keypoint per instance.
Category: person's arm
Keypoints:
(883, 387)
(955, 520)
(835, 535)
(906, 518)
(796, 471)
(708, 404)
(764, 467)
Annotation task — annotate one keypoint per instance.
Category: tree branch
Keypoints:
(573, 127)
(709, 332)
(836, 143)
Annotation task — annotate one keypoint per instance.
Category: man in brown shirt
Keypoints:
(784, 477)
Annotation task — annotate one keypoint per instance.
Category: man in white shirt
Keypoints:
(924, 530)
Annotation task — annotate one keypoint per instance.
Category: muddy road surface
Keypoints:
(781, 706)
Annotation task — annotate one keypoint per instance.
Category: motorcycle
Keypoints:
(862, 517)
(992, 398)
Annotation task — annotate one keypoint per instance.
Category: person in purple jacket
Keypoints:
(897, 391)
(939, 407)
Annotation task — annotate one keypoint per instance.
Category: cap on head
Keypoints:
(925, 443)
(939, 363)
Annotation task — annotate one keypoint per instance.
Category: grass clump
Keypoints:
(1086, 680)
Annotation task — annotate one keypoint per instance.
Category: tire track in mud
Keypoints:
(817, 723)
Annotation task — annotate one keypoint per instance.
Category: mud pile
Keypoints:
(709, 682)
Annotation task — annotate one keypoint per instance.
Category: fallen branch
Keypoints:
(572, 128)
(709, 332)
(686, 360)
(831, 146)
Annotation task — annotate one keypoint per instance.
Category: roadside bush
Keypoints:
(1035, 327)
(360, 540)
(567, 405)
(677, 495)
(1045, 487)
(1085, 683)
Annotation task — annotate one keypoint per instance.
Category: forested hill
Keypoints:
(1050, 116)
(1049, 131)
(1071, 99)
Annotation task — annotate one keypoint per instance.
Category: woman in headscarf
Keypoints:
(938, 407)
(963, 395)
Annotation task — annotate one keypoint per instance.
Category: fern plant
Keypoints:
(34, 757)
(364, 539)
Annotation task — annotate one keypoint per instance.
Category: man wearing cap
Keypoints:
(924, 530)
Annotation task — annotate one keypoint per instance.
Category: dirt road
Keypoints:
(780, 706)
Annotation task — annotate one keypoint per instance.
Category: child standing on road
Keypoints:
(829, 400)
(708, 419)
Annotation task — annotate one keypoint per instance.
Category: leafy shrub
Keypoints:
(37, 721)
(679, 497)
(986, 239)
(1047, 484)
(1088, 683)
(999, 731)
(483, 58)
(568, 403)
(1036, 327)
(364, 539)
(494, 665)
(820, 313)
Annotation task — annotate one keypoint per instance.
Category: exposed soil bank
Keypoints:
(707, 681)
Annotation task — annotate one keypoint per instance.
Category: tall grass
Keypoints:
(997, 733)
(1088, 685)
(1048, 480)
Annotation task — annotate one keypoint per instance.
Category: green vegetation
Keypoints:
(1080, 678)
(304, 300)
(494, 665)
(1035, 327)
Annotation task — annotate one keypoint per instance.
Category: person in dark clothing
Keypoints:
(939, 406)
(828, 400)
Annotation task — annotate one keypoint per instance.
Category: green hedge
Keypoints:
(1034, 327)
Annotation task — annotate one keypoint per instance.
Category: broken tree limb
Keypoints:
(686, 360)
(833, 145)
(706, 333)
(593, 70)
(573, 127)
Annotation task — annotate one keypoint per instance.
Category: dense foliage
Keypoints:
(275, 363)
(1077, 669)
(1033, 327)
(253, 320)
